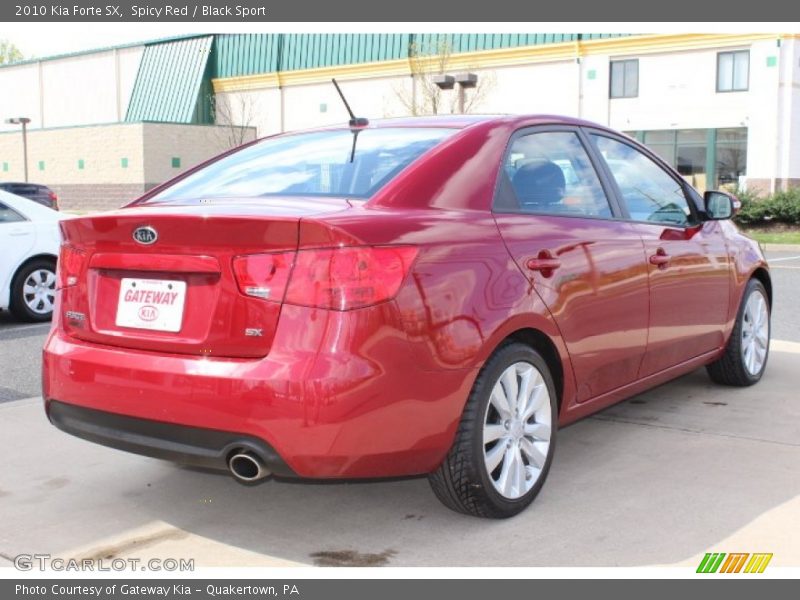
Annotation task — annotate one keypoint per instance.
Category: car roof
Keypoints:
(452, 122)
(28, 208)
(463, 121)
(460, 122)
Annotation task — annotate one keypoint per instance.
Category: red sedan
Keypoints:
(419, 296)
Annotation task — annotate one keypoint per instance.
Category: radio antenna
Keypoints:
(354, 120)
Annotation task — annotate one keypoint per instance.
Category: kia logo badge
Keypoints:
(148, 313)
(145, 235)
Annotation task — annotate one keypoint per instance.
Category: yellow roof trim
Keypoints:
(504, 57)
(671, 42)
(246, 82)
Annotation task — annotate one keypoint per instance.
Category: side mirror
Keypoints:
(721, 205)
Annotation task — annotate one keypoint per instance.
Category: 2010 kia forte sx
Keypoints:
(419, 296)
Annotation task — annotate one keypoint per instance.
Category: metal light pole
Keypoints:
(464, 81)
(444, 82)
(24, 122)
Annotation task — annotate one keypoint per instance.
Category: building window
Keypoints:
(624, 79)
(691, 154)
(686, 150)
(707, 158)
(662, 143)
(731, 154)
(733, 71)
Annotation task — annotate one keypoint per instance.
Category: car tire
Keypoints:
(746, 353)
(470, 480)
(36, 306)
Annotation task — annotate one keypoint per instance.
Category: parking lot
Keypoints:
(658, 480)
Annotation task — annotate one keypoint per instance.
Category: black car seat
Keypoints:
(539, 185)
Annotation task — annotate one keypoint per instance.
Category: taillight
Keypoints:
(263, 275)
(70, 264)
(347, 278)
(334, 278)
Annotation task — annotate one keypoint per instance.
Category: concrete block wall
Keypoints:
(105, 166)
(84, 197)
(93, 167)
(168, 149)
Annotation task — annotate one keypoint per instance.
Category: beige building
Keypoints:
(110, 124)
(98, 167)
(106, 125)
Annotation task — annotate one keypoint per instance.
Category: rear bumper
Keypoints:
(340, 395)
(195, 446)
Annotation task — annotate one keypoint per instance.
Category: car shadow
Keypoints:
(654, 480)
(658, 479)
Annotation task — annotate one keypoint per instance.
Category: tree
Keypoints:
(234, 114)
(425, 97)
(9, 53)
(731, 156)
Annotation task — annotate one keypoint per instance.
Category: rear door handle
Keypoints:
(660, 259)
(18, 232)
(545, 263)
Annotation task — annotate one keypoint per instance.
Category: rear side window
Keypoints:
(24, 189)
(550, 173)
(7, 215)
(649, 192)
(353, 164)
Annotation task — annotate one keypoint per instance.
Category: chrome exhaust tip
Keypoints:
(247, 468)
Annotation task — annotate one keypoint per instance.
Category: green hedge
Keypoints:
(780, 207)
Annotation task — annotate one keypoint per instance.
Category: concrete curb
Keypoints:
(781, 247)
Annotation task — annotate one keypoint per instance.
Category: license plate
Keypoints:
(155, 304)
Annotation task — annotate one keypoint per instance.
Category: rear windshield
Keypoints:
(324, 163)
(25, 189)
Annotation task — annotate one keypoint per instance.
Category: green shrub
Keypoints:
(780, 207)
(754, 208)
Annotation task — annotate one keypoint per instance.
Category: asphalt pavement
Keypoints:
(660, 479)
(20, 358)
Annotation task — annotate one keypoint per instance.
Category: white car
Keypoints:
(29, 244)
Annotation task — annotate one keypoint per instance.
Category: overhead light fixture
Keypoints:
(444, 82)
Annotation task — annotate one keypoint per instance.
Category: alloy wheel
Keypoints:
(755, 333)
(516, 430)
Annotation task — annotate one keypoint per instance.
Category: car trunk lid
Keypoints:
(173, 288)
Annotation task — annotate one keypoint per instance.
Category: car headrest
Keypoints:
(539, 182)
